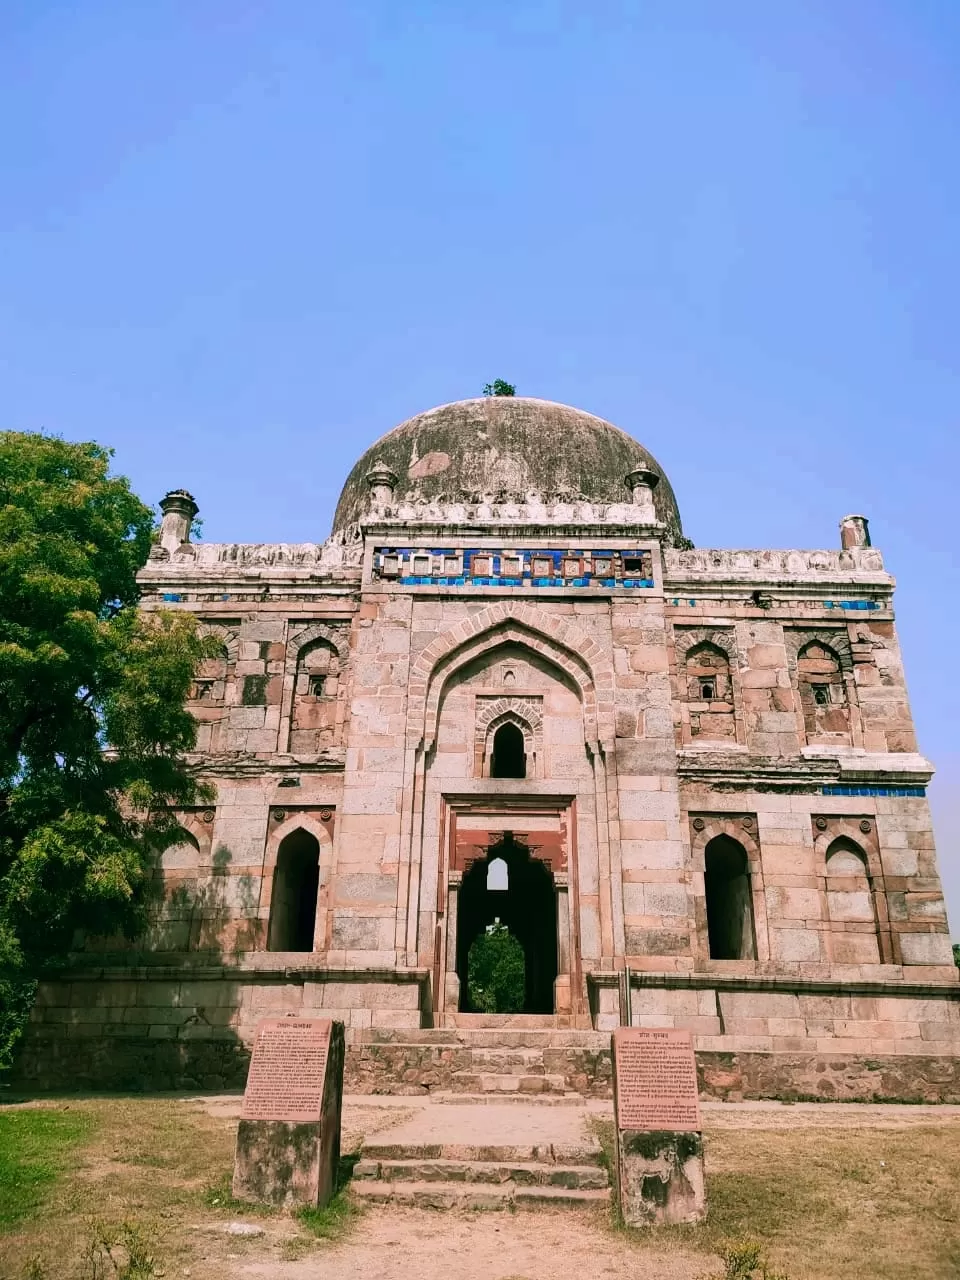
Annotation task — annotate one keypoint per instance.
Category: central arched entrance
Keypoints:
(518, 891)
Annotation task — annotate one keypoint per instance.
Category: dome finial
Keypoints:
(641, 482)
(382, 481)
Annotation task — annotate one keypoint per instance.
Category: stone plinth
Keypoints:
(659, 1146)
(288, 1140)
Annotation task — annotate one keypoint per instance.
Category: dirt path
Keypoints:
(410, 1244)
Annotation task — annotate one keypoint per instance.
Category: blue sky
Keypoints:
(240, 240)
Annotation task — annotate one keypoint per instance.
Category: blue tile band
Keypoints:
(838, 789)
(481, 567)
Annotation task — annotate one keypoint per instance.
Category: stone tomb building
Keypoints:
(507, 687)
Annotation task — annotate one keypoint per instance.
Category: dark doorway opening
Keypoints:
(293, 903)
(511, 887)
(509, 759)
(729, 900)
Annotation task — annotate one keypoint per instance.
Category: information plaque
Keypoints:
(287, 1070)
(655, 1075)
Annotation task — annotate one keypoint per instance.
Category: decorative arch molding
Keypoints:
(527, 710)
(835, 640)
(228, 637)
(488, 643)
(861, 831)
(336, 637)
(555, 640)
(198, 824)
(522, 712)
(309, 819)
(741, 827)
(582, 664)
(688, 639)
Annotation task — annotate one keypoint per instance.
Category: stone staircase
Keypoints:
(485, 1062)
(455, 1175)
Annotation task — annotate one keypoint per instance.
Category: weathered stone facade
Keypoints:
(696, 763)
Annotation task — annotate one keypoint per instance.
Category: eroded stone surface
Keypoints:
(291, 1162)
(721, 787)
(661, 1177)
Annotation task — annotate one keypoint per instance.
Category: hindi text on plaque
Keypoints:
(288, 1139)
(659, 1147)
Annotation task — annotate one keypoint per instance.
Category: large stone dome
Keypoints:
(508, 445)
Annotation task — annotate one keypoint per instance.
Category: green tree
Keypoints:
(956, 954)
(499, 388)
(496, 971)
(92, 719)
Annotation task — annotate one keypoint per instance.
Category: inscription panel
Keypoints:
(655, 1076)
(287, 1070)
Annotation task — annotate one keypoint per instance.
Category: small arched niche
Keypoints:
(313, 721)
(823, 694)
(729, 900)
(293, 902)
(175, 892)
(508, 759)
(207, 698)
(181, 852)
(710, 693)
(851, 905)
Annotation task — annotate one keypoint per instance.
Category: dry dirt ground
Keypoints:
(833, 1191)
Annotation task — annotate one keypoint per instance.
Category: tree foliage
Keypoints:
(496, 971)
(499, 388)
(92, 718)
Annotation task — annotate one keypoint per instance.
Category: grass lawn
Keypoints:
(828, 1203)
(832, 1204)
(35, 1147)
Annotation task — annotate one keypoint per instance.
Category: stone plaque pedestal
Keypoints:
(288, 1141)
(659, 1146)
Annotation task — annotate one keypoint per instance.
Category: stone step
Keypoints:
(526, 1174)
(569, 1099)
(584, 1153)
(474, 1195)
(486, 1038)
(506, 1082)
(521, 1021)
(504, 1059)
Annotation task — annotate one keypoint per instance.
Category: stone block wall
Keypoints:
(191, 1026)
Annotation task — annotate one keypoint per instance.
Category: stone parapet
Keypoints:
(705, 565)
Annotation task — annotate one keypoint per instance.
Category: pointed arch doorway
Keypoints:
(510, 889)
(510, 870)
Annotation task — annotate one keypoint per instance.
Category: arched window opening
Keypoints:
(293, 904)
(823, 694)
(710, 692)
(729, 901)
(509, 760)
(851, 905)
(498, 876)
